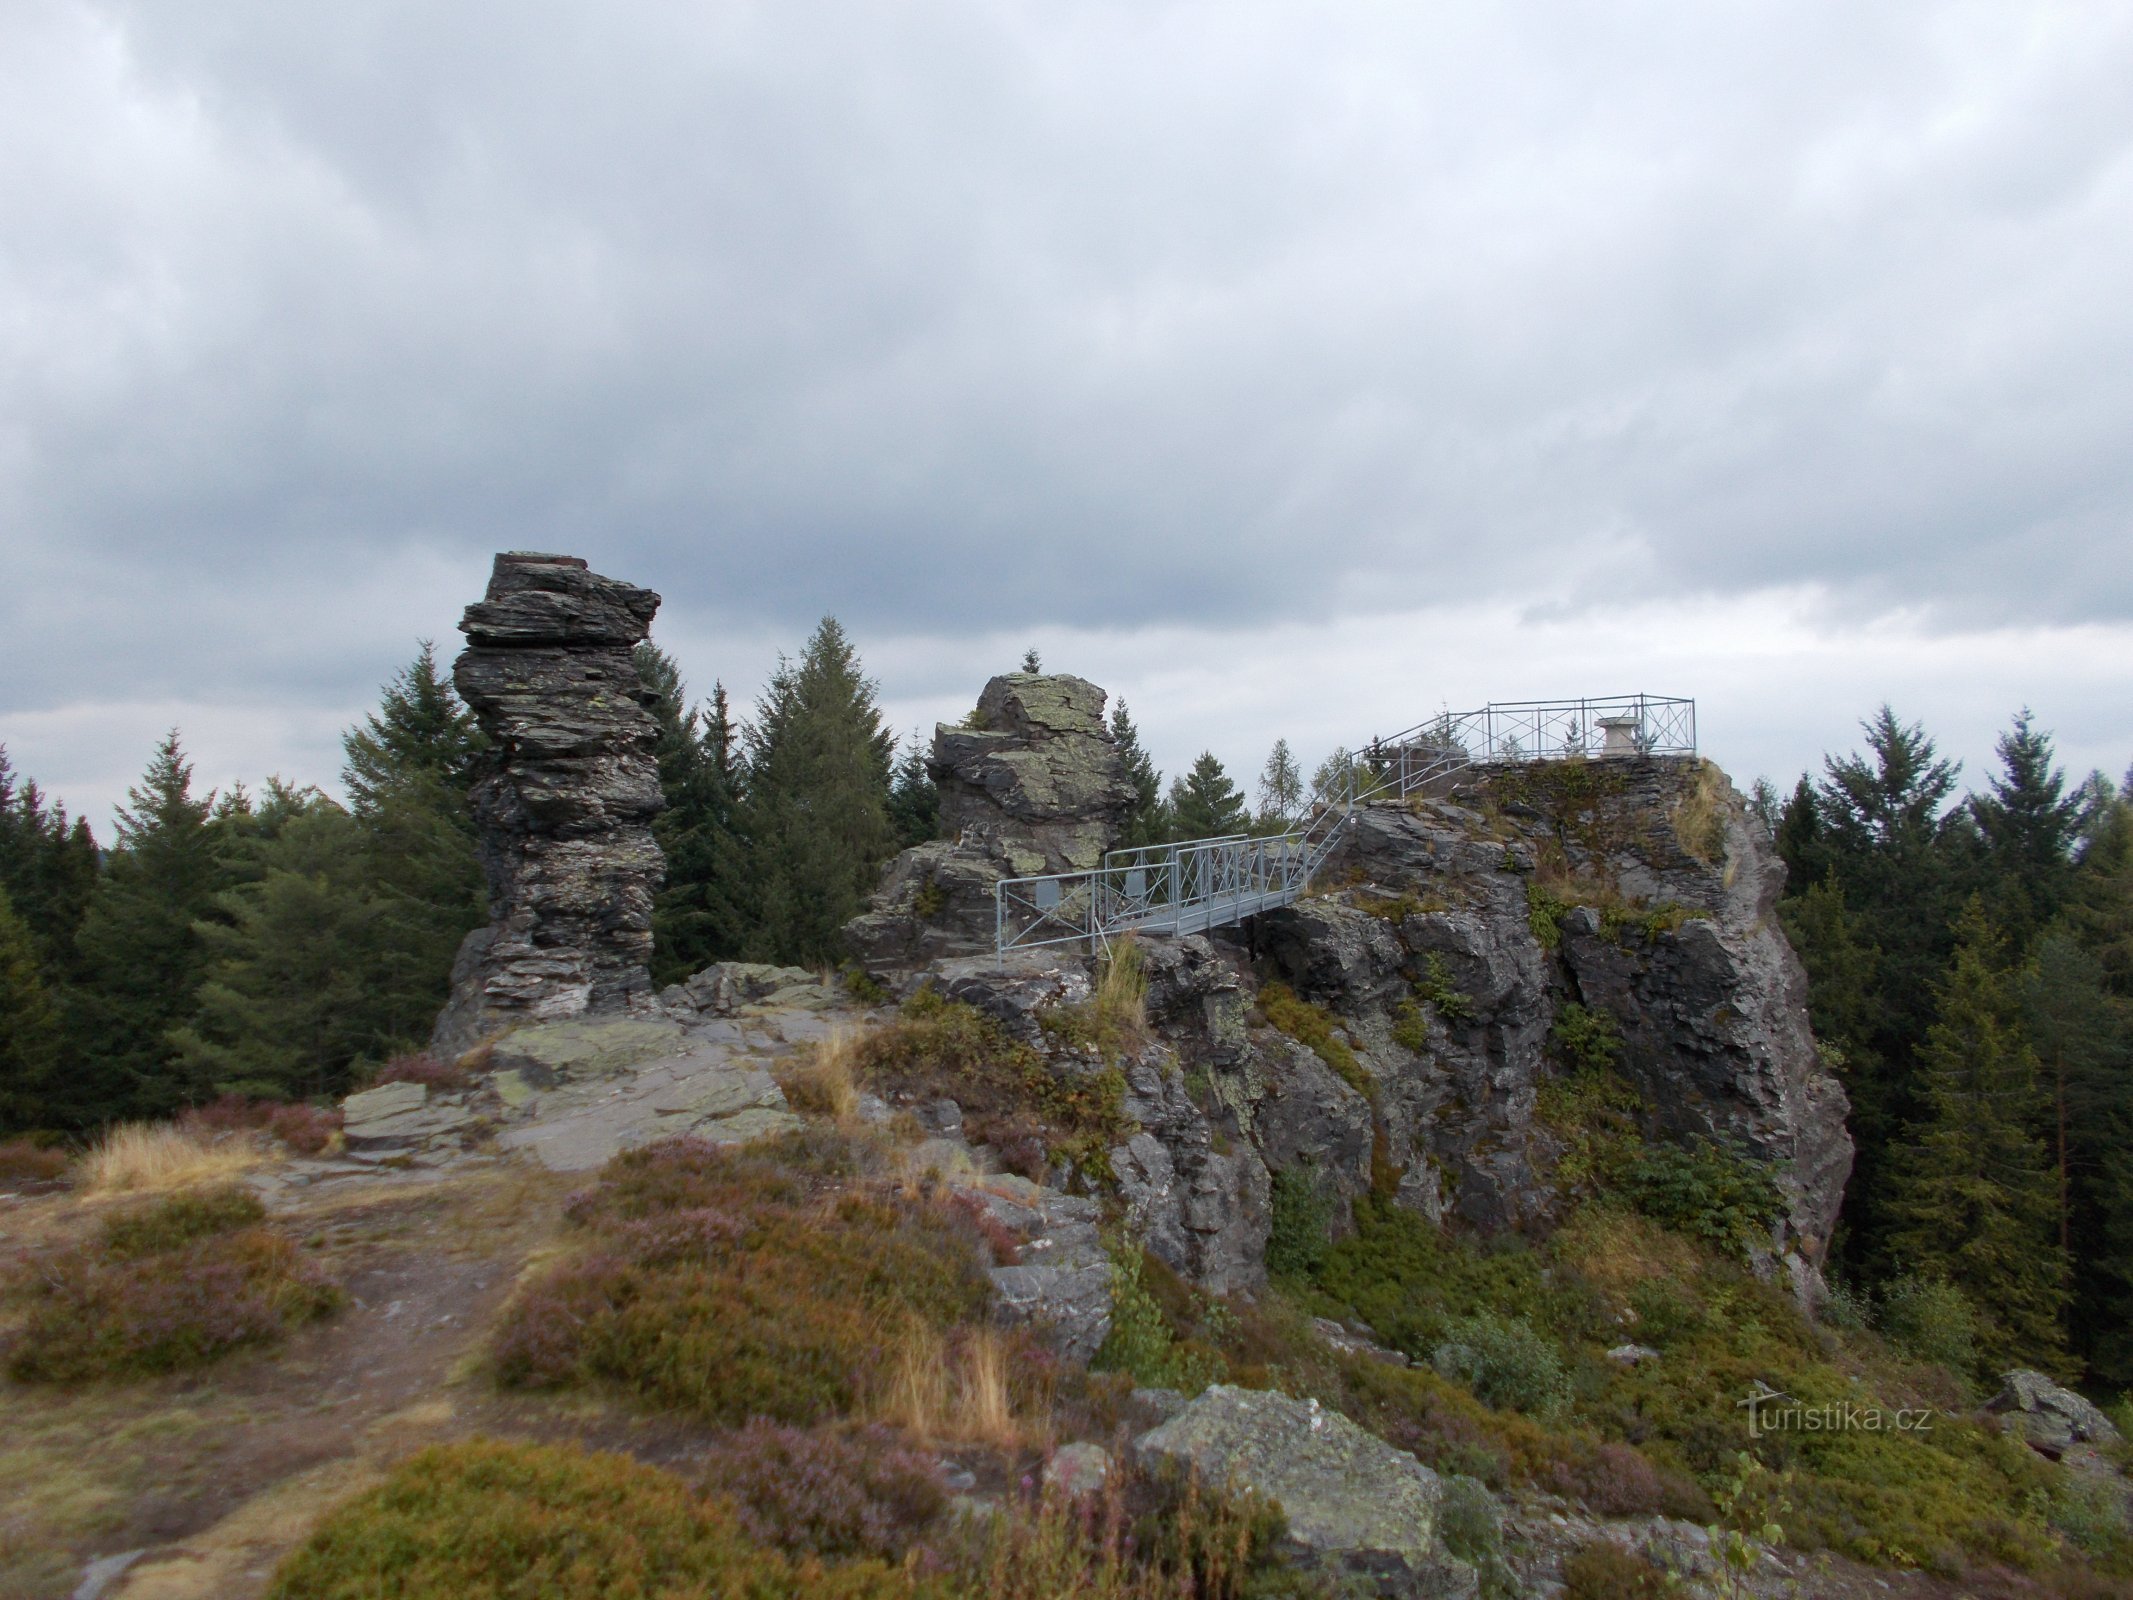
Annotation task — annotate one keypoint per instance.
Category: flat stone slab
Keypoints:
(710, 1092)
(587, 1047)
(387, 1100)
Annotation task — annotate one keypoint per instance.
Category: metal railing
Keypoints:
(1199, 884)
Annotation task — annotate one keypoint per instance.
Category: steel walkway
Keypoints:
(1198, 884)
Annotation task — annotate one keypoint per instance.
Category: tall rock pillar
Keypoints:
(565, 808)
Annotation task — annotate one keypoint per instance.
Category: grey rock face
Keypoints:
(1031, 783)
(1062, 1283)
(1201, 1209)
(565, 810)
(1355, 1505)
(1710, 1000)
(2051, 1419)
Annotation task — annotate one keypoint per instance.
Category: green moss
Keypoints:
(1314, 1026)
(1410, 1028)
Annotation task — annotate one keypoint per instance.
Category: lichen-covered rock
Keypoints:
(1031, 783)
(725, 986)
(1355, 1506)
(565, 807)
(2051, 1418)
(1201, 1209)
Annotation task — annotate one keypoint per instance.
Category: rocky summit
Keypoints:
(565, 809)
(1031, 781)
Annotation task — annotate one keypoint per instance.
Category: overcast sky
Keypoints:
(1289, 370)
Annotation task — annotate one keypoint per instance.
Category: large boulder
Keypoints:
(1355, 1506)
(2050, 1418)
(565, 807)
(1031, 782)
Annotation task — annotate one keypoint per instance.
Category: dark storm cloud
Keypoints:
(984, 316)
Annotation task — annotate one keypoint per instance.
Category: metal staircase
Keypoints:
(1199, 884)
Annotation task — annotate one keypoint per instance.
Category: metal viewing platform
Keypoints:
(1199, 884)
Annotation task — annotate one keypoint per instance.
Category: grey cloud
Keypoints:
(946, 316)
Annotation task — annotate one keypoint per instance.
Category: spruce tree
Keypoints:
(816, 806)
(1280, 788)
(142, 958)
(421, 735)
(29, 1031)
(2100, 896)
(1146, 821)
(693, 919)
(407, 769)
(2027, 825)
(1973, 1196)
(1798, 836)
(298, 989)
(1204, 804)
(914, 798)
(48, 866)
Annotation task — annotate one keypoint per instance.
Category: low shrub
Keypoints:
(1436, 986)
(1008, 1092)
(1600, 1569)
(553, 1522)
(31, 1160)
(1143, 1341)
(306, 1129)
(1709, 1192)
(824, 1493)
(446, 1077)
(1504, 1362)
(1931, 1320)
(735, 1282)
(169, 1286)
(1301, 1223)
(175, 1223)
(1314, 1026)
(1471, 1524)
(1584, 1039)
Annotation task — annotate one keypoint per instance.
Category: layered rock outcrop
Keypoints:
(1464, 959)
(1031, 782)
(566, 805)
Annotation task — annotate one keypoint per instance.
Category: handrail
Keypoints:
(1196, 884)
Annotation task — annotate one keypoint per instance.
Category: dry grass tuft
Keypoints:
(960, 1389)
(149, 1157)
(1699, 816)
(1122, 997)
(827, 1084)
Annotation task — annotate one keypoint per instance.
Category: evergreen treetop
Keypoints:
(1204, 804)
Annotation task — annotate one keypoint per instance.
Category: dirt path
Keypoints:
(215, 1474)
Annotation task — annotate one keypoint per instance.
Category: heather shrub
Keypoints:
(1302, 1222)
(1009, 1093)
(817, 1492)
(553, 1522)
(1603, 1570)
(446, 1077)
(32, 1161)
(170, 1286)
(176, 1222)
(736, 1283)
(306, 1129)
